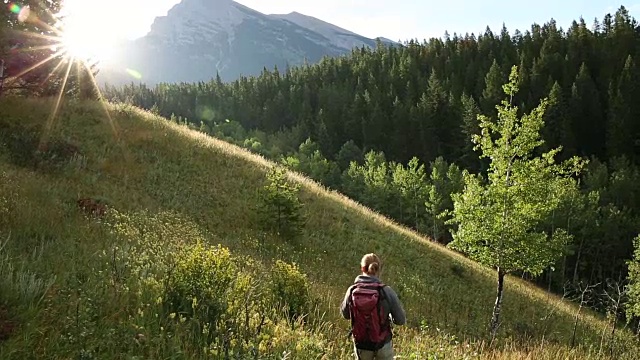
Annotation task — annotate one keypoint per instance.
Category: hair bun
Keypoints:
(370, 264)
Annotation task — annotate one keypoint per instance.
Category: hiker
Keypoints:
(371, 306)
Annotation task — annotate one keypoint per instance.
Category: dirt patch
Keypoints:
(92, 207)
(7, 326)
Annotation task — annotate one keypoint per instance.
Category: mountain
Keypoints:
(338, 36)
(199, 38)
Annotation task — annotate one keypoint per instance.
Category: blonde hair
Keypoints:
(370, 264)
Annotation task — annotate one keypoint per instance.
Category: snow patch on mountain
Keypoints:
(340, 37)
(192, 20)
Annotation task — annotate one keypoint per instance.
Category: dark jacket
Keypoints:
(391, 304)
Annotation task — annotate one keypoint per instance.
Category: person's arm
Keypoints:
(344, 307)
(395, 307)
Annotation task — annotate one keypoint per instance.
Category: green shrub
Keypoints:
(199, 282)
(290, 289)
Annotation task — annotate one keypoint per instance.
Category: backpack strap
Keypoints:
(383, 297)
(350, 305)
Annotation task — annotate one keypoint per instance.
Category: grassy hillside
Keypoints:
(72, 286)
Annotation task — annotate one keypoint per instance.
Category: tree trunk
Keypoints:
(563, 275)
(575, 268)
(495, 318)
(416, 213)
(435, 236)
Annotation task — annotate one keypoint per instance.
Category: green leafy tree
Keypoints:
(445, 180)
(280, 206)
(412, 185)
(437, 197)
(310, 161)
(371, 182)
(499, 221)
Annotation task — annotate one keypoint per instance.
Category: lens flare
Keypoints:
(134, 73)
(22, 12)
(14, 8)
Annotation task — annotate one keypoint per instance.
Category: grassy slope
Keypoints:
(148, 163)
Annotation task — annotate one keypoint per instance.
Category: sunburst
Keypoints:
(72, 44)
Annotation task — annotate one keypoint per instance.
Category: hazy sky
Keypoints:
(399, 19)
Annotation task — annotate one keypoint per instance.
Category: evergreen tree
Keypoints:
(557, 123)
(280, 208)
(470, 127)
(348, 153)
(401, 130)
(587, 120)
(624, 112)
(438, 123)
(492, 93)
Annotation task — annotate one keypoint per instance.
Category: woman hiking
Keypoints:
(372, 306)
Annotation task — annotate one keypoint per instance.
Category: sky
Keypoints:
(394, 19)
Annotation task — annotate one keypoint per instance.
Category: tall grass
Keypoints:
(167, 187)
(22, 285)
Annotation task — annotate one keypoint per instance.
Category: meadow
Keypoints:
(178, 267)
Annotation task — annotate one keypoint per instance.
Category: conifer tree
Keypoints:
(557, 123)
(587, 120)
(280, 207)
(349, 152)
(492, 92)
(470, 127)
(622, 129)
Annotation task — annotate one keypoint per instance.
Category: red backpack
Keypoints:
(369, 325)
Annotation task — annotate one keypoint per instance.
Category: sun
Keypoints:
(84, 45)
(87, 30)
